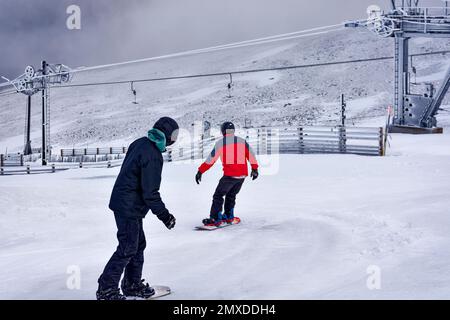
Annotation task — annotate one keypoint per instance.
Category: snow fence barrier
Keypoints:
(366, 141)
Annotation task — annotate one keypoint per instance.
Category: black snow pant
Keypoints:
(129, 255)
(228, 187)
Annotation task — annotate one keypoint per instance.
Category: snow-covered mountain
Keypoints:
(105, 115)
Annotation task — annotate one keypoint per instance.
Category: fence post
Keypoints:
(262, 135)
(202, 142)
(2, 160)
(21, 160)
(81, 165)
(110, 150)
(1, 171)
(28, 169)
(381, 142)
(300, 140)
(257, 143)
(53, 168)
(262, 139)
(342, 140)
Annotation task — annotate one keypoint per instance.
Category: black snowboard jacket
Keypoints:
(136, 190)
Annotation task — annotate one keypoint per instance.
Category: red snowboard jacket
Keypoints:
(234, 152)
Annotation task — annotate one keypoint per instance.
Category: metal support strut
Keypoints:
(412, 112)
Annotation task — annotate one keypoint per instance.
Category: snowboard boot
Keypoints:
(230, 218)
(138, 289)
(109, 294)
(213, 223)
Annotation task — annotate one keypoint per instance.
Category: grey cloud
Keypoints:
(117, 30)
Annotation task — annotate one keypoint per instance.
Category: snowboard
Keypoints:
(160, 291)
(213, 228)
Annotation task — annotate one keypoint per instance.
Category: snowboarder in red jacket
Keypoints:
(235, 153)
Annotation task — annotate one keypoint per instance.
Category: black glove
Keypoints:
(198, 177)
(254, 175)
(169, 220)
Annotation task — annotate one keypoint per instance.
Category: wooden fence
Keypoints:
(93, 151)
(29, 170)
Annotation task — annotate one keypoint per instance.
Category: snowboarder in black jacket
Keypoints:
(135, 192)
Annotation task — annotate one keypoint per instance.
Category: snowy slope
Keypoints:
(323, 221)
(105, 115)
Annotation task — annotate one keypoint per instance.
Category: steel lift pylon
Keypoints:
(31, 82)
(413, 113)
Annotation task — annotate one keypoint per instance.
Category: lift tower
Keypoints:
(31, 82)
(414, 113)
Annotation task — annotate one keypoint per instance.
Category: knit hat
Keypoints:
(227, 128)
(170, 129)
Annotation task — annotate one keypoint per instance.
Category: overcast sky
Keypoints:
(118, 30)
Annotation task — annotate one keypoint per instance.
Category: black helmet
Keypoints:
(170, 129)
(227, 128)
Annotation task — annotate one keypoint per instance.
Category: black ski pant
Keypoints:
(129, 255)
(228, 187)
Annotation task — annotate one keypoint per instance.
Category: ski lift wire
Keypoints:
(227, 73)
(7, 93)
(281, 37)
(200, 51)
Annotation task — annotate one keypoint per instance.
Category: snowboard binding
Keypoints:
(234, 220)
(138, 289)
(213, 223)
(110, 295)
